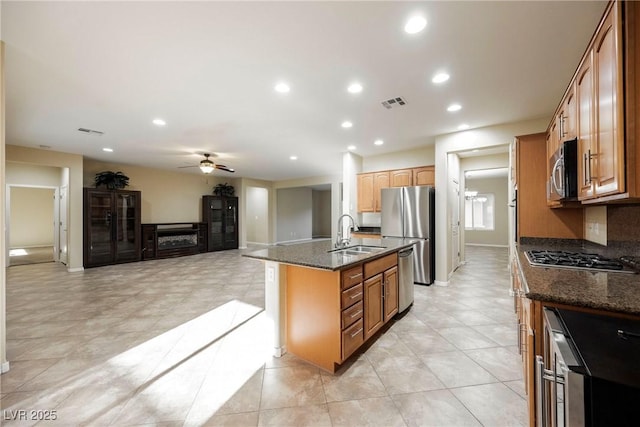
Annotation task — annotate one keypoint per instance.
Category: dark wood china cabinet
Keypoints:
(111, 226)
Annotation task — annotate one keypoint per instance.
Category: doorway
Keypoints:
(32, 216)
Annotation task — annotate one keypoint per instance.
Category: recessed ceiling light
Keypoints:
(107, 150)
(378, 142)
(282, 87)
(293, 157)
(454, 107)
(355, 88)
(415, 24)
(346, 124)
(463, 126)
(159, 122)
(351, 147)
(440, 78)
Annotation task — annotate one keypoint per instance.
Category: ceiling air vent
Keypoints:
(91, 131)
(393, 102)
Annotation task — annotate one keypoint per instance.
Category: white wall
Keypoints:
(31, 217)
(32, 175)
(257, 217)
(463, 141)
(294, 213)
(422, 156)
(499, 236)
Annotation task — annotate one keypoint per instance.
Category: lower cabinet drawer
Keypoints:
(352, 314)
(352, 338)
(351, 296)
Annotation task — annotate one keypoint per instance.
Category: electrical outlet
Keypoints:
(271, 274)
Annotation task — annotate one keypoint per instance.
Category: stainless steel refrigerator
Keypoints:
(408, 212)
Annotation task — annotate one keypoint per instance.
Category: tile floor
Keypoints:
(182, 342)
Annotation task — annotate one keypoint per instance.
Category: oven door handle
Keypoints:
(542, 375)
(541, 407)
(556, 168)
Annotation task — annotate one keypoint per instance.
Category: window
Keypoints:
(478, 211)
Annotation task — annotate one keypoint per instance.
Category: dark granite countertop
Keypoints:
(316, 253)
(615, 292)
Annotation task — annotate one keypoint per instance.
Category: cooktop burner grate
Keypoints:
(578, 260)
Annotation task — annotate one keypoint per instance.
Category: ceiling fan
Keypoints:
(207, 166)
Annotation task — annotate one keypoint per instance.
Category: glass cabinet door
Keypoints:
(216, 217)
(125, 227)
(101, 218)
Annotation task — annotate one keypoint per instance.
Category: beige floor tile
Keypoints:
(500, 362)
(426, 343)
(22, 372)
(359, 381)
(494, 404)
(434, 408)
(292, 386)
(248, 419)
(409, 379)
(466, 338)
(316, 416)
(455, 369)
(166, 347)
(517, 386)
(378, 411)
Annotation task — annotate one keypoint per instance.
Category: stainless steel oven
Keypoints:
(590, 373)
(560, 390)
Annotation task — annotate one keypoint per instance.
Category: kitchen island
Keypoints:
(325, 303)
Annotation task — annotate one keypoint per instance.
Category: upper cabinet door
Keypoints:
(365, 192)
(401, 177)
(380, 181)
(585, 127)
(609, 164)
(424, 176)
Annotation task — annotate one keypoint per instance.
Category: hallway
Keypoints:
(183, 341)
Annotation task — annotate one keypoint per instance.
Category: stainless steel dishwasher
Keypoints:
(405, 279)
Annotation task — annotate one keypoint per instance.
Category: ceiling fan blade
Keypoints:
(224, 168)
(192, 166)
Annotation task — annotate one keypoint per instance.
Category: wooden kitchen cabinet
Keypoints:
(370, 184)
(331, 314)
(390, 294)
(366, 202)
(401, 178)
(585, 126)
(380, 181)
(425, 175)
(369, 187)
(526, 341)
(607, 91)
(534, 218)
(373, 294)
(608, 167)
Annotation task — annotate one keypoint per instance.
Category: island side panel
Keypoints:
(313, 315)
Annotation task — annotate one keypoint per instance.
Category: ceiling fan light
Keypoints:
(206, 166)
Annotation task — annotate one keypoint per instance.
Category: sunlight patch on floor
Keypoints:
(190, 370)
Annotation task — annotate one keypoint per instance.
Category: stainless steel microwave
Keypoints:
(562, 183)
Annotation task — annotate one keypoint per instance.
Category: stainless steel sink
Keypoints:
(358, 250)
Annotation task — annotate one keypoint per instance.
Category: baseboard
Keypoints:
(440, 283)
(490, 246)
(4, 367)
(75, 269)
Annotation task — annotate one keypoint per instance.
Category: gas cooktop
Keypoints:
(576, 260)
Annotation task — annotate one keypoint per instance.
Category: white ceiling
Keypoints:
(209, 68)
